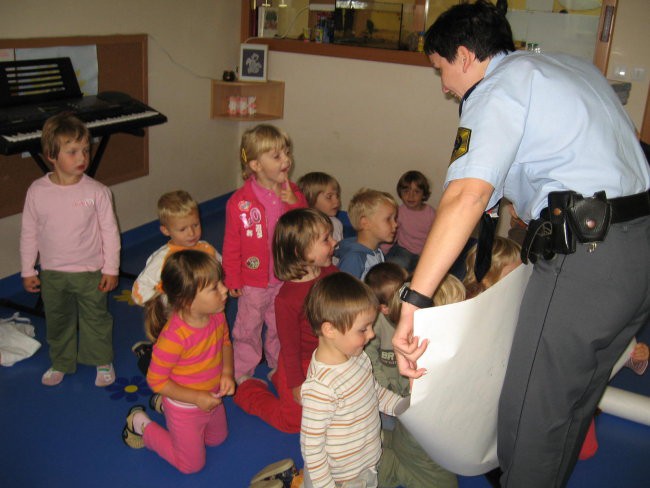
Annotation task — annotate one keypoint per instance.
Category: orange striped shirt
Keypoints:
(189, 356)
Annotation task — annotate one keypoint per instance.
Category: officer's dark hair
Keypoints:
(481, 27)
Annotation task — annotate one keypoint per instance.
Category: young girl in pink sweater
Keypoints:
(251, 214)
(69, 224)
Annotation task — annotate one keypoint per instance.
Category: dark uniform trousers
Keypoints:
(578, 314)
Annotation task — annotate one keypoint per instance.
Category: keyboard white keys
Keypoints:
(21, 137)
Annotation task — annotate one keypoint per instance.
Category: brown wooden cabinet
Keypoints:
(269, 97)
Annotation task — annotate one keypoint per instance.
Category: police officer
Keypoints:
(537, 128)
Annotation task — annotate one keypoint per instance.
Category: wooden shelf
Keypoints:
(269, 99)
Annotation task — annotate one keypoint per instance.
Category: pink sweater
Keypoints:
(414, 226)
(71, 227)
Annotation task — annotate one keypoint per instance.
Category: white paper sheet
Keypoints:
(453, 412)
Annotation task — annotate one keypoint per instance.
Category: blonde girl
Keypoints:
(303, 247)
(505, 258)
(251, 215)
(191, 366)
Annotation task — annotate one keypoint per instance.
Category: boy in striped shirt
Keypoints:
(341, 400)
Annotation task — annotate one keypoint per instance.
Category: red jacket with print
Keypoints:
(246, 240)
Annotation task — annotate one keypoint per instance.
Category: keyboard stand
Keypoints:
(36, 156)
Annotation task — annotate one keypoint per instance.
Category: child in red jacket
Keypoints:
(251, 214)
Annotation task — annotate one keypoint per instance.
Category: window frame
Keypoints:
(333, 50)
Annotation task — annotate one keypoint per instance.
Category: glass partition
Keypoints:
(391, 30)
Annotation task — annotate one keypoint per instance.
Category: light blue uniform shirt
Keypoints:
(548, 122)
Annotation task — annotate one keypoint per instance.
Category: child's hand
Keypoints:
(107, 283)
(296, 395)
(207, 401)
(32, 284)
(235, 292)
(226, 386)
(287, 195)
(641, 352)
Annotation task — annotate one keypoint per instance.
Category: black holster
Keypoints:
(569, 217)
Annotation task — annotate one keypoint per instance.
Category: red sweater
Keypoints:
(297, 341)
(246, 241)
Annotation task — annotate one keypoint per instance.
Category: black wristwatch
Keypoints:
(414, 298)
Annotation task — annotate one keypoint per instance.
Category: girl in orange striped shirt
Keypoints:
(191, 365)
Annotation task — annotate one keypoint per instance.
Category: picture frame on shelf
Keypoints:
(253, 62)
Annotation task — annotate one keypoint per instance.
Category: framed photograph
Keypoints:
(253, 62)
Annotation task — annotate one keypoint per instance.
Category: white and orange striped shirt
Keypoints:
(340, 431)
(148, 281)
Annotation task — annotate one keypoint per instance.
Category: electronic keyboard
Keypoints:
(31, 91)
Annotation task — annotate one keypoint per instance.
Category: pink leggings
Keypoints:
(189, 430)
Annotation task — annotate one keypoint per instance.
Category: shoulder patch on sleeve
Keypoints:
(461, 144)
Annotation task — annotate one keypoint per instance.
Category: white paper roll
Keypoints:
(627, 405)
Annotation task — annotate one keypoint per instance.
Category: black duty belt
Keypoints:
(571, 218)
(630, 207)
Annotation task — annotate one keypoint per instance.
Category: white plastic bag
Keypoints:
(16, 340)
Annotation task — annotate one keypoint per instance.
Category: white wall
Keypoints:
(364, 122)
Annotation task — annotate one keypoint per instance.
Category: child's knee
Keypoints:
(191, 466)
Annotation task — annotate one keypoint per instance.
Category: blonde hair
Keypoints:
(294, 233)
(175, 204)
(184, 274)
(59, 127)
(385, 280)
(365, 202)
(338, 298)
(451, 290)
(504, 252)
(258, 140)
(314, 183)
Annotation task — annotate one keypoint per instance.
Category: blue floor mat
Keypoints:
(70, 435)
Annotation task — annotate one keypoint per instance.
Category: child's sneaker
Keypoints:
(156, 403)
(283, 471)
(105, 375)
(129, 436)
(142, 348)
(52, 377)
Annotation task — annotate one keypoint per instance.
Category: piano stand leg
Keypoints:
(39, 160)
(94, 164)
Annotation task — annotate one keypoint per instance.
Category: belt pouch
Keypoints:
(562, 238)
(590, 217)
